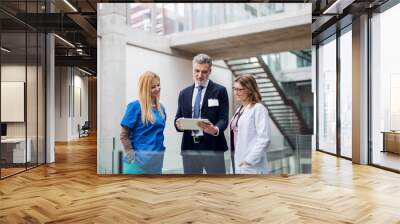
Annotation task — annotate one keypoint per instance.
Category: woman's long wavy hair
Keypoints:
(144, 92)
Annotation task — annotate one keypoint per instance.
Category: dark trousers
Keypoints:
(212, 162)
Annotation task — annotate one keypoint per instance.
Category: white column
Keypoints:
(314, 91)
(50, 99)
(111, 59)
(360, 90)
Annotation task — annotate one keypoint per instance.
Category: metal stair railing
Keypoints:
(304, 127)
(283, 111)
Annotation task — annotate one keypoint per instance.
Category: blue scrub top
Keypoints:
(143, 137)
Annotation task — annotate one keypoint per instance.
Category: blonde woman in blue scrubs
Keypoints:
(142, 132)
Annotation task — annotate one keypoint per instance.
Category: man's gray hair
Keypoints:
(202, 59)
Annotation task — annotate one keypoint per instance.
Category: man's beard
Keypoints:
(202, 82)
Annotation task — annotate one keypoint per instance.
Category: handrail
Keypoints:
(287, 101)
(268, 75)
(275, 85)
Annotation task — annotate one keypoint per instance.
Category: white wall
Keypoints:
(314, 90)
(13, 83)
(50, 95)
(111, 66)
(80, 108)
(15, 72)
(61, 103)
(67, 114)
(33, 125)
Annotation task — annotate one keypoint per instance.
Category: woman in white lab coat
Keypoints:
(250, 128)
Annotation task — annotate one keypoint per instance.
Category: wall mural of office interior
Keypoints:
(283, 75)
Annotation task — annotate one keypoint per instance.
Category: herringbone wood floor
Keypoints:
(70, 191)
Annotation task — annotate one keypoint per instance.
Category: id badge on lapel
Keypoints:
(213, 103)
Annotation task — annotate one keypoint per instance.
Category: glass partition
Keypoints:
(22, 90)
(31, 100)
(15, 151)
(41, 97)
(281, 158)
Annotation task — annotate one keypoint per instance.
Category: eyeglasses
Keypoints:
(238, 89)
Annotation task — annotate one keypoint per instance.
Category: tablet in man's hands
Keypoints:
(191, 123)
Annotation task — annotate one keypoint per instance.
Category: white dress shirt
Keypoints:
(195, 91)
(253, 139)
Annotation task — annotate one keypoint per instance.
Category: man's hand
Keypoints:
(178, 123)
(208, 127)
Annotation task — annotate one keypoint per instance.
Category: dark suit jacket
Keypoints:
(218, 115)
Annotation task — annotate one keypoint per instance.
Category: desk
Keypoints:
(391, 142)
(15, 148)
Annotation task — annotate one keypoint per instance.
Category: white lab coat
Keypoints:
(253, 139)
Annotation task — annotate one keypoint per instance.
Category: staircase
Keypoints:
(304, 54)
(282, 110)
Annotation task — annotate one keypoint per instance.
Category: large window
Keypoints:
(346, 93)
(385, 89)
(327, 96)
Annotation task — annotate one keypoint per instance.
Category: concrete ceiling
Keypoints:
(278, 33)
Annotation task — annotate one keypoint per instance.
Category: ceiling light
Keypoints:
(70, 5)
(86, 72)
(134, 5)
(337, 7)
(5, 50)
(140, 13)
(65, 41)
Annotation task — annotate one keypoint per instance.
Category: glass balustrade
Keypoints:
(282, 158)
(168, 18)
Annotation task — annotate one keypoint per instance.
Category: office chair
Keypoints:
(84, 130)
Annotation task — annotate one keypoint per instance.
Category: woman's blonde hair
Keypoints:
(248, 82)
(144, 92)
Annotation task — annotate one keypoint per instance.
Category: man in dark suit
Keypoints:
(207, 100)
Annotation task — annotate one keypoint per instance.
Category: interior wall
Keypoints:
(61, 103)
(314, 91)
(92, 100)
(71, 102)
(14, 73)
(33, 126)
(80, 104)
(17, 73)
